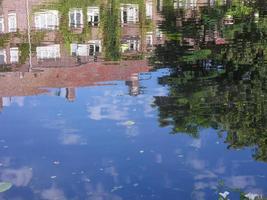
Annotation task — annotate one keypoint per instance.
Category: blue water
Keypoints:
(88, 149)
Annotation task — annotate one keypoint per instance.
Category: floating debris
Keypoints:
(4, 186)
(224, 195)
(56, 162)
(135, 185)
(87, 180)
(141, 151)
(252, 196)
(128, 123)
(116, 188)
(53, 177)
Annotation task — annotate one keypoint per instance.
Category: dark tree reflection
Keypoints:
(218, 59)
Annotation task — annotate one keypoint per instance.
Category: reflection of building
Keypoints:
(70, 94)
(1, 104)
(13, 15)
(48, 49)
(134, 85)
(33, 83)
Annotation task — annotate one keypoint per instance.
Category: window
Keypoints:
(89, 49)
(133, 45)
(149, 10)
(46, 20)
(93, 16)
(149, 39)
(2, 25)
(129, 13)
(14, 55)
(12, 22)
(48, 52)
(76, 18)
(79, 49)
(2, 57)
(94, 47)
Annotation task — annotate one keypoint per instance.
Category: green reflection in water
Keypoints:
(219, 74)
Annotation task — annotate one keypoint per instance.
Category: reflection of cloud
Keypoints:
(158, 158)
(205, 175)
(19, 177)
(98, 193)
(106, 111)
(220, 167)
(196, 143)
(200, 185)
(240, 181)
(5, 161)
(71, 139)
(53, 193)
(196, 163)
(198, 195)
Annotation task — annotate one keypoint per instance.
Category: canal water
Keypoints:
(143, 99)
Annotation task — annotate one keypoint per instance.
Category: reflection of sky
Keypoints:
(107, 145)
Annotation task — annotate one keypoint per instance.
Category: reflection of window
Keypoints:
(48, 52)
(91, 48)
(94, 47)
(79, 49)
(133, 45)
(93, 16)
(129, 13)
(46, 20)
(149, 39)
(2, 25)
(76, 18)
(149, 9)
(2, 57)
(12, 22)
(14, 55)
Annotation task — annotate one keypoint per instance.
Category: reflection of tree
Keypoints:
(111, 30)
(219, 86)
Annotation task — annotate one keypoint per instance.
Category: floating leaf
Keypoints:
(129, 123)
(4, 186)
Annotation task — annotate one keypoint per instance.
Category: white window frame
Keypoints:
(75, 12)
(14, 55)
(93, 12)
(12, 22)
(48, 19)
(2, 24)
(149, 9)
(48, 52)
(149, 39)
(84, 49)
(135, 43)
(132, 11)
